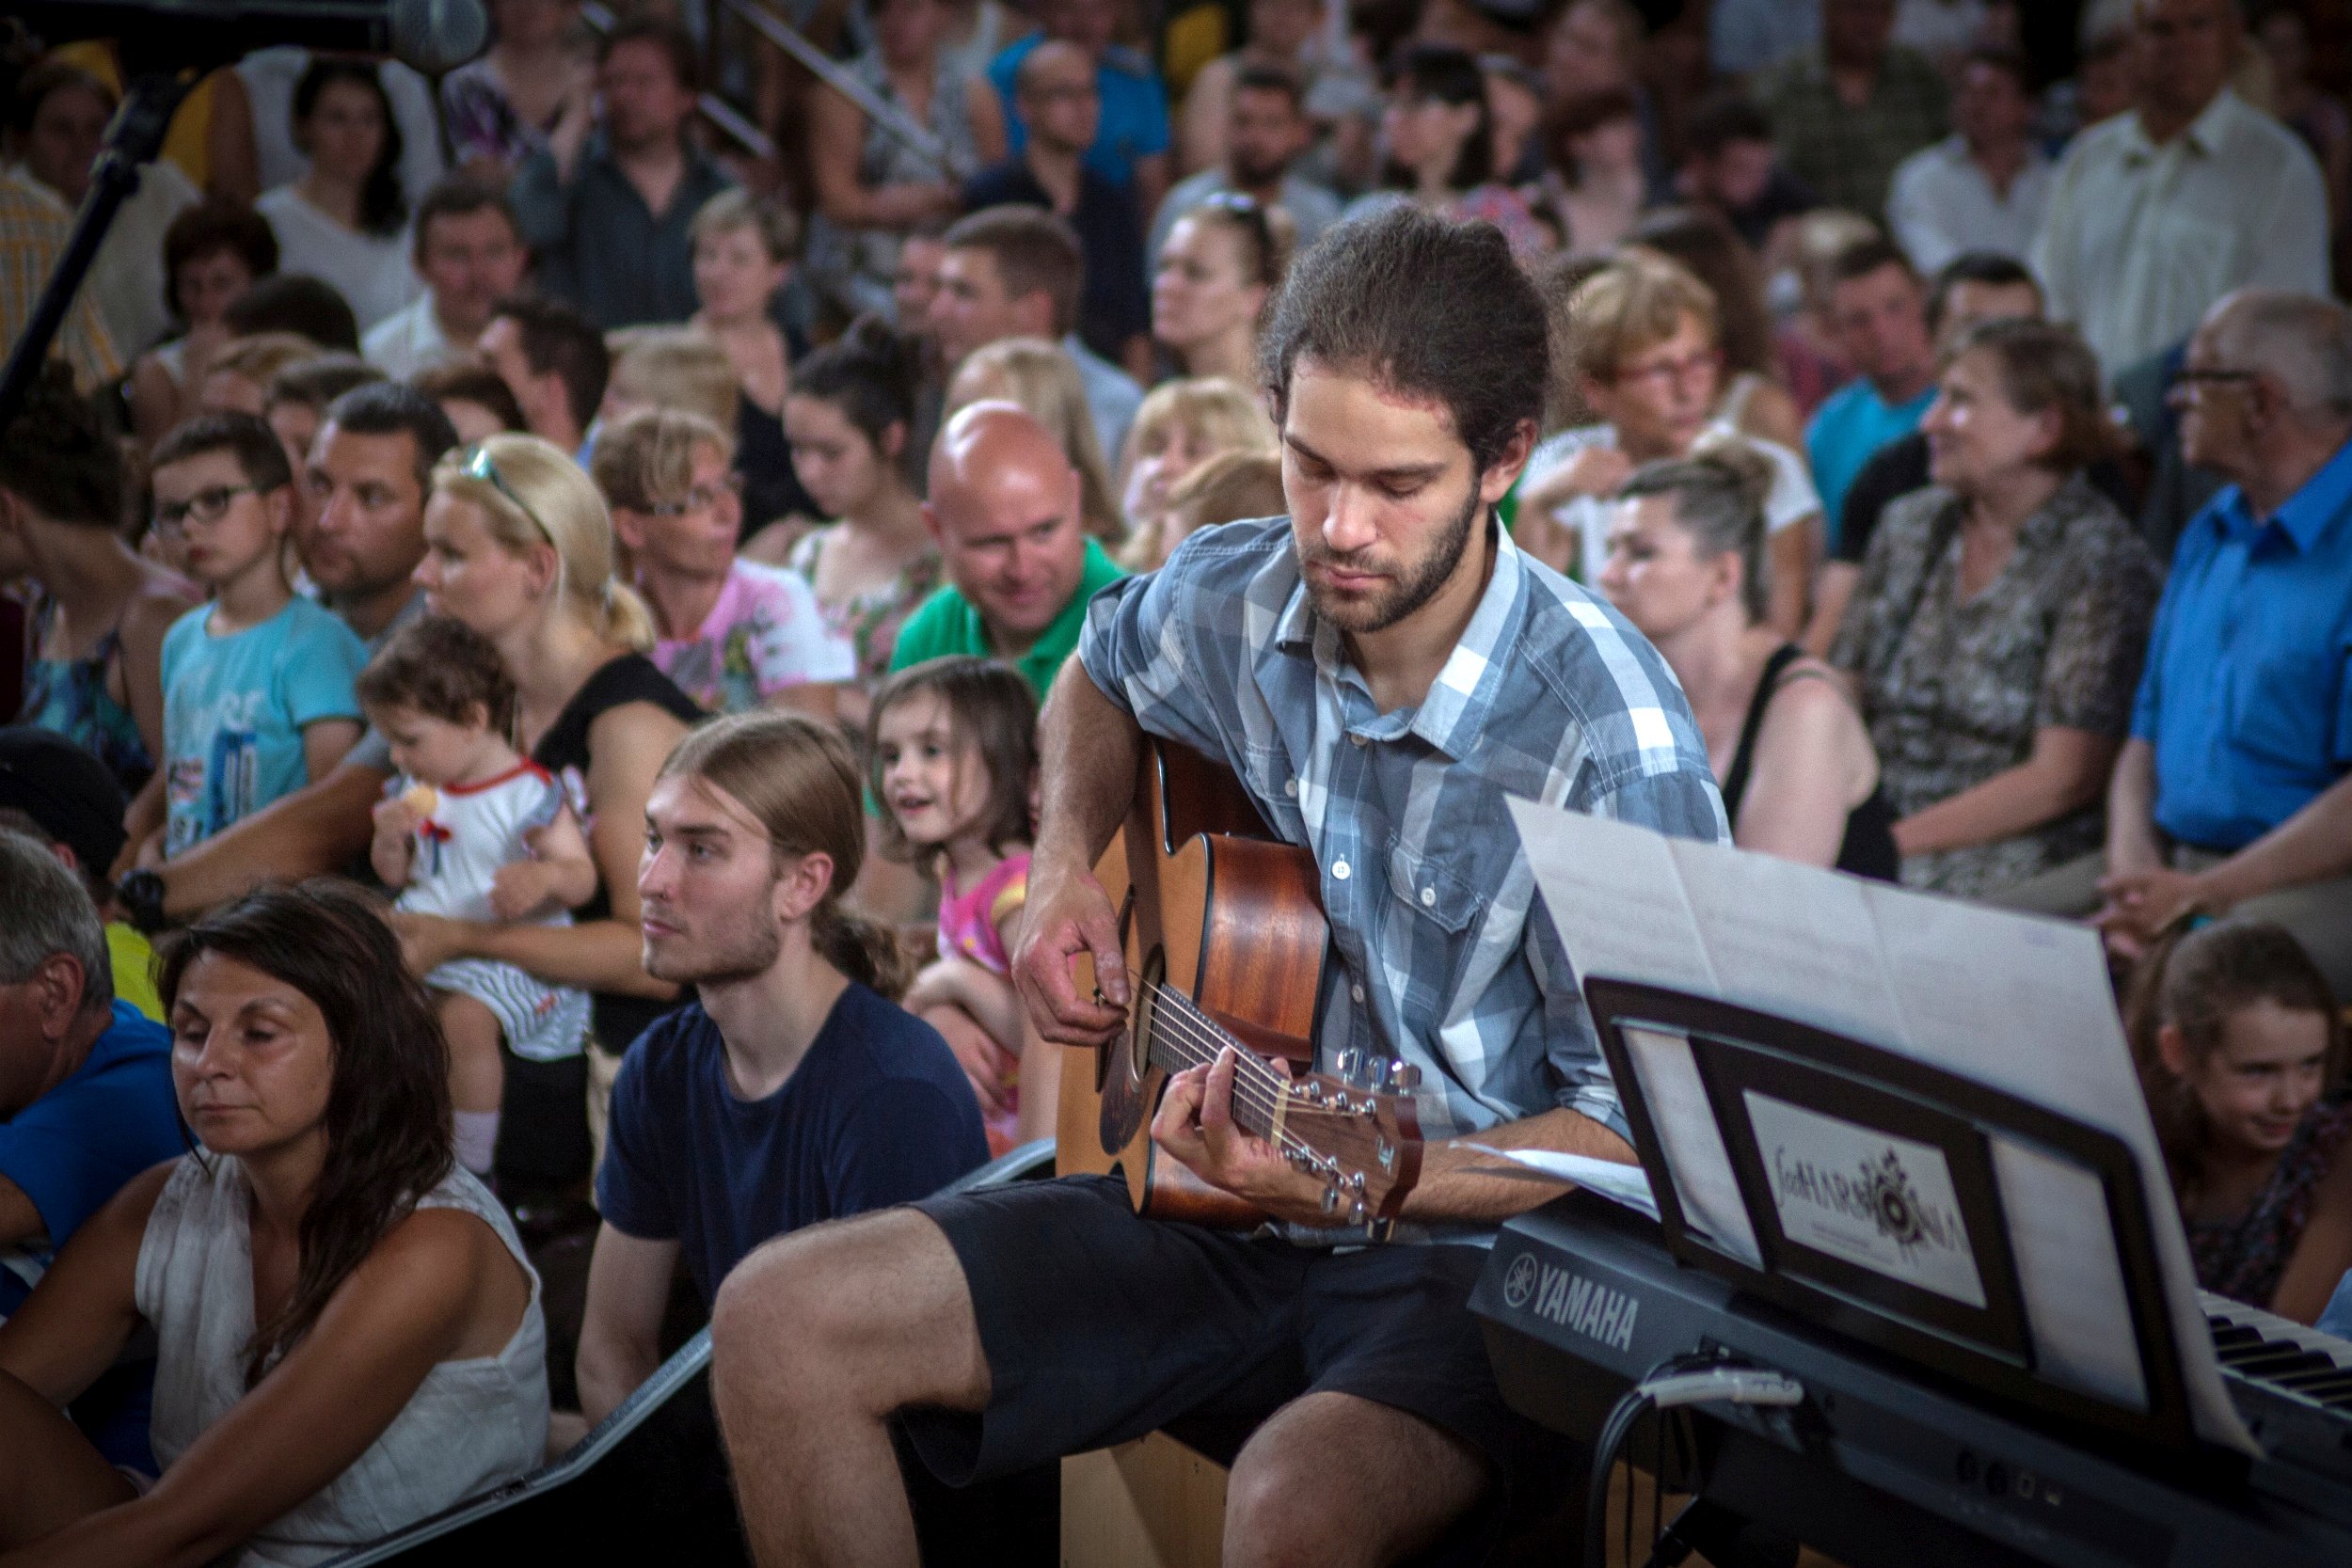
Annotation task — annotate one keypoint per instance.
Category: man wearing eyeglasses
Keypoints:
(2233, 795)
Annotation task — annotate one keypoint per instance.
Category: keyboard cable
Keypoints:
(1676, 1382)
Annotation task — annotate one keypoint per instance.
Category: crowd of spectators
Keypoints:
(622, 544)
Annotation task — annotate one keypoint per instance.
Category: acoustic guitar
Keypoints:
(1225, 942)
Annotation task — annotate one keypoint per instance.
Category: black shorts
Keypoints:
(1100, 1326)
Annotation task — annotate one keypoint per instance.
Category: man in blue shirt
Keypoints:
(1879, 312)
(85, 1099)
(790, 1092)
(1131, 140)
(2233, 794)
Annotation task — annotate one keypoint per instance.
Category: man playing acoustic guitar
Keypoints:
(1381, 670)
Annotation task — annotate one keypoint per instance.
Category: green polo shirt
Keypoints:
(947, 623)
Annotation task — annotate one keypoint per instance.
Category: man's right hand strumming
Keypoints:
(1069, 915)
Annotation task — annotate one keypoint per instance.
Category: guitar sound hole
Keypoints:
(1146, 1011)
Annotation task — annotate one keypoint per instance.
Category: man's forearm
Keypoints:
(1090, 749)
(1457, 1184)
(612, 1366)
(2132, 842)
(320, 828)
(2313, 845)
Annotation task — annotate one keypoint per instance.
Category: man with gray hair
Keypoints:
(2234, 793)
(85, 1099)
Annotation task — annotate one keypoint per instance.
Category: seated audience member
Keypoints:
(1041, 379)
(871, 189)
(361, 540)
(1054, 89)
(1970, 289)
(554, 360)
(1131, 143)
(1594, 47)
(295, 302)
(1441, 147)
(1182, 426)
(1515, 116)
(1643, 352)
(1232, 487)
(742, 256)
(734, 634)
(1290, 40)
(348, 1338)
(1982, 188)
(2000, 619)
(1812, 356)
(951, 755)
(1013, 272)
(97, 629)
(473, 832)
(345, 221)
(500, 109)
(996, 476)
(476, 400)
(667, 367)
(1267, 129)
(1879, 312)
(212, 252)
(59, 125)
(605, 208)
(1754, 402)
(59, 795)
(470, 255)
(85, 1076)
(519, 546)
(2237, 1039)
(1593, 185)
(2158, 212)
(257, 684)
(1731, 166)
(40, 230)
(847, 414)
(1222, 262)
(1849, 110)
(237, 380)
(2231, 794)
(792, 1091)
(2310, 111)
(1686, 565)
(271, 78)
(295, 405)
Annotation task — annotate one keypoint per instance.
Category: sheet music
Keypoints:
(2013, 1001)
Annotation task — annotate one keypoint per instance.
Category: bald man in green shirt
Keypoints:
(1021, 567)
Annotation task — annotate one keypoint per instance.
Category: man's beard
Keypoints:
(735, 952)
(1251, 174)
(1417, 587)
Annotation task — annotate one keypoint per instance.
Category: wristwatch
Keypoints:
(141, 896)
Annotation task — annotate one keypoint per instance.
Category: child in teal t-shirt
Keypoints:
(258, 697)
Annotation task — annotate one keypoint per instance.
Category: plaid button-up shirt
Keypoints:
(1448, 959)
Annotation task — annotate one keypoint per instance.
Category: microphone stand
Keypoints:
(135, 137)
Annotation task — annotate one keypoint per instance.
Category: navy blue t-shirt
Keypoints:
(877, 1112)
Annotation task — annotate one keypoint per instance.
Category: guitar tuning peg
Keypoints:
(1403, 1077)
(1349, 1063)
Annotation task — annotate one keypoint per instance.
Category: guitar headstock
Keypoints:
(1358, 1132)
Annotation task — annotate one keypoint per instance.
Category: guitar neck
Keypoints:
(1181, 1037)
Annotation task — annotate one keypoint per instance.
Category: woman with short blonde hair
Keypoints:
(1180, 425)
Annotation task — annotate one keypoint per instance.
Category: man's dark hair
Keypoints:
(59, 454)
(52, 75)
(248, 437)
(1271, 78)
(1035, 252)
(471, 381)
(443, 669)
(461, 196)
(1988, 268)
(391, 408)
(673, 41)
(1423, 306)
(317, 382)
(1722, 118)
(1865, 257)
(295, 302)
(557, 337)
(2001, 57)
(216, 224)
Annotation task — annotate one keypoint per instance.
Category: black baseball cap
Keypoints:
(73, 795)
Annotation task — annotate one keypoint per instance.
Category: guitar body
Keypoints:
(1224, 936)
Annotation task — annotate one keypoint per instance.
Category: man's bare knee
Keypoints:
(1333, 1478)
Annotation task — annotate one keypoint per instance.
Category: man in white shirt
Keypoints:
(470, 252)
(1982, 188)
(2157, 213)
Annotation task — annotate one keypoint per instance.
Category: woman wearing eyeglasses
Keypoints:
(1221, 264)
(733, 634)
(518, 545)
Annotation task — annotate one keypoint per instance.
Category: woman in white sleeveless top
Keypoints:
(348, 1338)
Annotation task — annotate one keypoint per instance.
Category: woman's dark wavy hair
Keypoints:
(388, 1109)
(868, 373)
(383, 205)
(1450, 75)
(1423, 306)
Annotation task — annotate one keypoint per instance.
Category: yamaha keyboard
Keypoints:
(1885, 1462)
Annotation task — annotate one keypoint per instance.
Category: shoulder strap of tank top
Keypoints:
(1736, 781)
